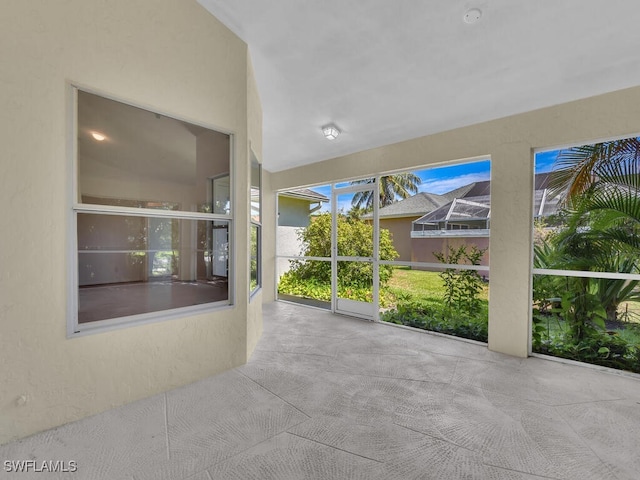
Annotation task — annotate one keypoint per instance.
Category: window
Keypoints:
(152, 215)
(408, 248)
(255, 257)
(586, 275)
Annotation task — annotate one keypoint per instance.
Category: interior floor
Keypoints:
(115, 300)
(330, 397)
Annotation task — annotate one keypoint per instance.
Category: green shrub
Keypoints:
(437, 317)
(312, 279)
(462, 287)
(552, 335)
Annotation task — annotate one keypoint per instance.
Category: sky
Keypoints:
(444, 179)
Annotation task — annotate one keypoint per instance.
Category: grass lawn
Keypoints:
(420, 284)
(416, 298)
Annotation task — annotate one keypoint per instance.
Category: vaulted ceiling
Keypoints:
(387, 71)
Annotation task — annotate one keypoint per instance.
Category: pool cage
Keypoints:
(472, 213)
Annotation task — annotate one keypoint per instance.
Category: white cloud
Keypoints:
(444, 185)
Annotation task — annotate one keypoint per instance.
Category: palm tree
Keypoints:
(392, 187)
(577, 169)
(600, 186)
(602, 182)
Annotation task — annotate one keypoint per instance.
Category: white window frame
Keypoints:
(565, 273)
(253, 223)
(74, 328)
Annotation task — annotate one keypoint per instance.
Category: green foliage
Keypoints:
(418, 302)
(600, 231)
(435, 316)
(553, 336)
(392, 187)
(462, 287)
(355, 238)
(562, 331)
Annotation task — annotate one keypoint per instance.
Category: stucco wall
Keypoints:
(422, 248)
(170, 56)
(510, 143)
(400, 229)
(293, 212)
(254, 108)
(268, 240)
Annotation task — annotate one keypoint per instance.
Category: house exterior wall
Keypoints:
(422, 248)
(400, 229)
(170, 56)
(293, 212)
(510, 143)
(289, 245)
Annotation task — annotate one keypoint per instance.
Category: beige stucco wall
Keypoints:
(400, 229)
(422, 248)
(509, 142)
(254, 133)
(170, 56)
(293, 212)
(268, 240)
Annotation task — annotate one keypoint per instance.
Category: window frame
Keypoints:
(561, 272)
(257, 225)
(75, 206)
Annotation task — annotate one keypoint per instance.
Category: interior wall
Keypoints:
(169, 56)
(509, 142)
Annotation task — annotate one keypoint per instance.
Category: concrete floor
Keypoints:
(328, 397)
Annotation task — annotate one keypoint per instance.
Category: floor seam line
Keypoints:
(585, 443)
(274, 394)
(519, 471)
(336, 448)
(589, 402)
(166, 426)
(299, 353)
(507, 394)
(449, 442)
(387, 377)
(253, 445)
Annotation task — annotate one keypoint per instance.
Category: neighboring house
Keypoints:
(398, 218)
(466, 219)
(427, 222)
(295, 208)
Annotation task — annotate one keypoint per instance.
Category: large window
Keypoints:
(152, 214)
(408, 248)
(586, 276)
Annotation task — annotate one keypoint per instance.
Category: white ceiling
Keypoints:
(386, 71)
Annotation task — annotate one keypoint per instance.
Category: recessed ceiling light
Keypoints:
(331, 131)
(98, 136)
(472, 15)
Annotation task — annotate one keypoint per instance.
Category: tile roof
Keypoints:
(424, 202)
(416, 205)
(305, 194)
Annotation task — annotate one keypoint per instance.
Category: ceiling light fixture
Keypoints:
(98, 136)
(472, 15)
(330, 131)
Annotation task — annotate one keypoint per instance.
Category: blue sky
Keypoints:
(444, 179)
